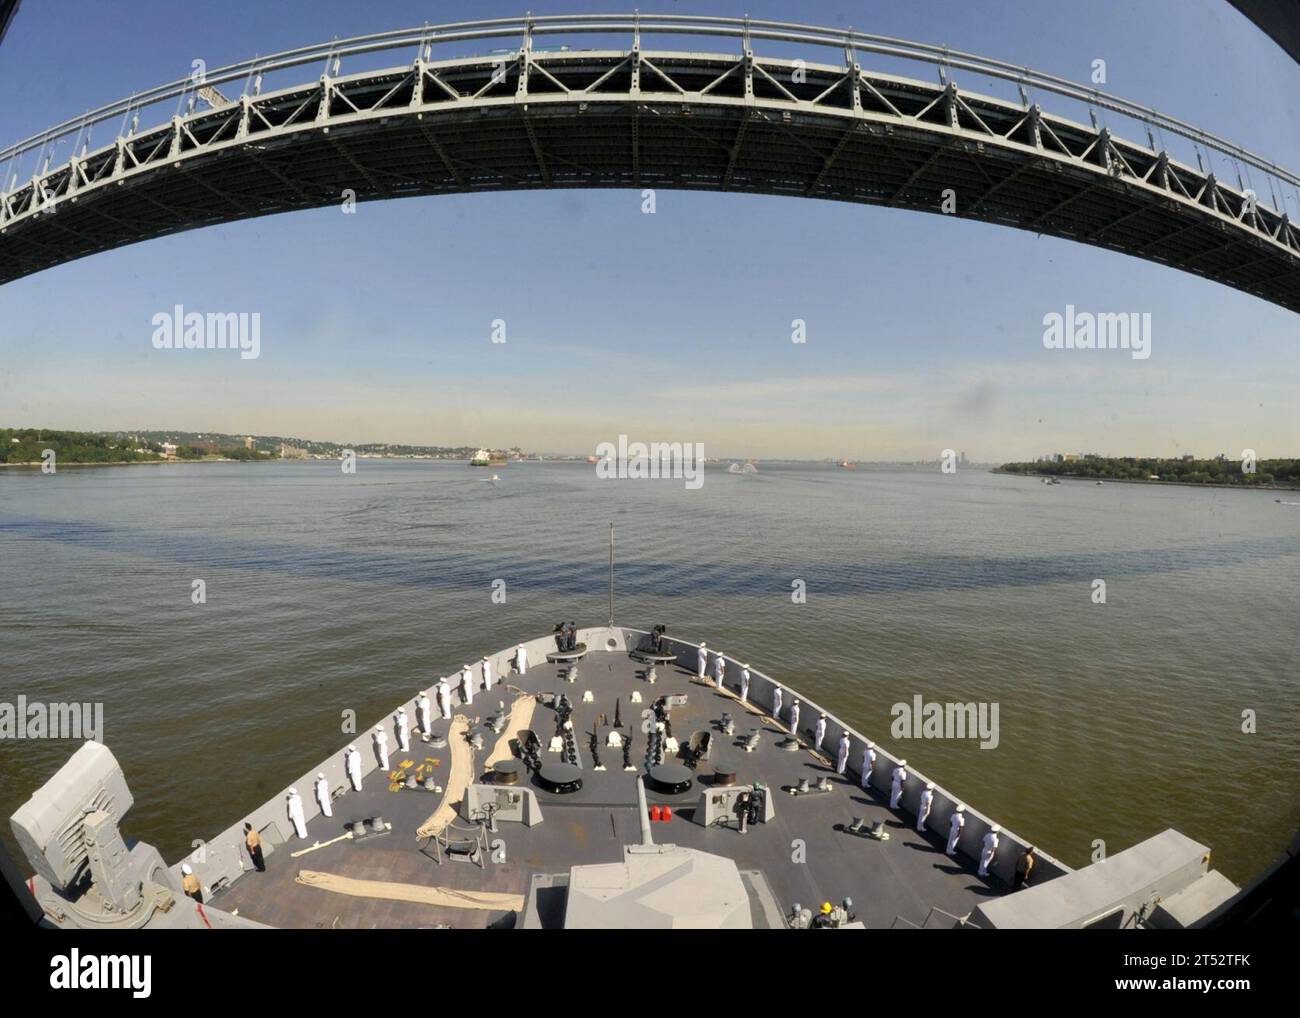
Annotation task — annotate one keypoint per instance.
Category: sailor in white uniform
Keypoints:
(927, 800)
(444, 699)
(323, 795)
(293, 803)
(744, 683)
(719, 670)
(399, 720)
(794, 719)
(819, 733)
(352, 763)
(990, 849)
(868, 763)
(702, 659)
(381, 746)
(776, 702)
(487, 674)
(521, 660)
(896, 792)
(422, 713)
(955, 824)
(466, 685)
(842, 756)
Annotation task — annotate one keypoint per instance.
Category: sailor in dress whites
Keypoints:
(352, 764)
(842, 756)
(927, 800)
(466, 685)
(381, 747)
(444, 699)
(521, 660)
(819, 733)
(955, 825)
(702, 659)
(990, 849)
(896, 792)
(293, 805)
(868, 763)
(487, 674)
(744, 683)
(423, 713)
(719, 670)
(794, 719)
(399, 720)
(776, 702)
(323, 795)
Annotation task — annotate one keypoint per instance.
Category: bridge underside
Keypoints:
(579, 121)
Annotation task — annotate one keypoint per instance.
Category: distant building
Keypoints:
(249, 443)
(168, 450)
(292, 452)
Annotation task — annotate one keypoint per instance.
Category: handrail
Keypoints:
(848, 41)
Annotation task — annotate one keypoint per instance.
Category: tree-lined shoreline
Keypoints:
(1221, 472)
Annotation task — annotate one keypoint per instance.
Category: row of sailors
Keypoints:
(989, 847)
(401, 725)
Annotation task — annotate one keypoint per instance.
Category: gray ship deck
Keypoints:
(903, 877)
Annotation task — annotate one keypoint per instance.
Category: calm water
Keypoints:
(327, 591)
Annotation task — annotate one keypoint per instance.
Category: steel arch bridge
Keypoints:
(532, 116)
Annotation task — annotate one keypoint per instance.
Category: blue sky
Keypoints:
(923, 332)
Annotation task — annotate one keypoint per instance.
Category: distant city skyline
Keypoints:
(924, 333)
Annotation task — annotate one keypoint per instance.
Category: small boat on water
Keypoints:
(742, 468)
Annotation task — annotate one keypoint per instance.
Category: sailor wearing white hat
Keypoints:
(955, 824)
(487, 674)
(444, 699)
(293, 804)
(466, 685)
(776, 702)
(323, 795)
(868, 763)
(927, 800)
(990, 849)
(702, 659)
(896, 792)
(794, 719)
(190, 883)
(744, 683)
(521, 660)
(422, 713)
(719, 670)
(381, 747)
(352, 763)
(399, 720)
(842, 755)
(819, 733)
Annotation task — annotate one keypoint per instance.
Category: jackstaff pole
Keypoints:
(611, 576)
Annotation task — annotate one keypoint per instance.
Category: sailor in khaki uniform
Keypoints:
(254, 842)
(190, 883)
